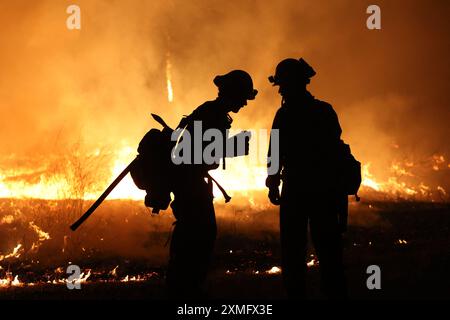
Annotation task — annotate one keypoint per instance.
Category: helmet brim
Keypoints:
(272, 80)
(252, 95)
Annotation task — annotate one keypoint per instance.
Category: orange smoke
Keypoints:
(98, 86)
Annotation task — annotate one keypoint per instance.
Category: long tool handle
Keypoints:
(102, 197)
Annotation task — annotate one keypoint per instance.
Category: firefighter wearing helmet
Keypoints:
(309, 133)
(195, 229)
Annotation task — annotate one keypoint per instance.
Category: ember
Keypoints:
(274, 270)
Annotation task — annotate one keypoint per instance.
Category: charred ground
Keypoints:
(123, 249)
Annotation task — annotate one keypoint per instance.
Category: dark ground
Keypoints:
(417, 269)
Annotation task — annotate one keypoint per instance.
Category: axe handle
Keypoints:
(102, 197)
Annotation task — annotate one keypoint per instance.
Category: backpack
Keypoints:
(152, 169)
(349, 171)
(349, 181)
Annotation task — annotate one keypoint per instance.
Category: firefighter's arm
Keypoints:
(333, 126)
(238, 145)
(274, 178)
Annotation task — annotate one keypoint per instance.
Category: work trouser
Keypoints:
(320, 210)
(192, 243)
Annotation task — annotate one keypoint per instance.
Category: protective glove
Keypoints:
(274, 196)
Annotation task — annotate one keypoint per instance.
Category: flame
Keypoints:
(59, 281)
(169, 90)
(438, 159)
(169, 79)
(398, 170)
(313, 262)
(59, 270)
(14, 254)
(4, 282)
(41, 234)
(241, 176)
(238, 177)
(113, 272)
(424, 190)
(47, 188)
(394, 186)
(367, 178)
(8, 219)
(126, 189)
(133, 278)
(65, 242)
(16, 282)
(83, 277)
(10, 281)
(57, 186)
(274, 270)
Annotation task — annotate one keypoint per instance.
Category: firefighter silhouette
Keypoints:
(309, 133)
(195, 229)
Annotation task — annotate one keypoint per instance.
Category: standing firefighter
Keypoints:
(195, 228)
(309, 134)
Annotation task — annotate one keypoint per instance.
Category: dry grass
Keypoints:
(124, 233)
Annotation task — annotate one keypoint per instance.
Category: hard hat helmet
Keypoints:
(292, 70)
(236, 83)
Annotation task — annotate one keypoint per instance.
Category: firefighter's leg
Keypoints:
(177, 272)
(191, 249)
(327, 241)
(293, 237)
(204, 237)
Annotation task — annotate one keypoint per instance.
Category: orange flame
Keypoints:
(14, 254)
(169, 79)
(274, 270)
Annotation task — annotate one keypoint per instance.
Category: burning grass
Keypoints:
(123, 243)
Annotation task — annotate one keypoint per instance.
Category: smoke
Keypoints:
(99, 84)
